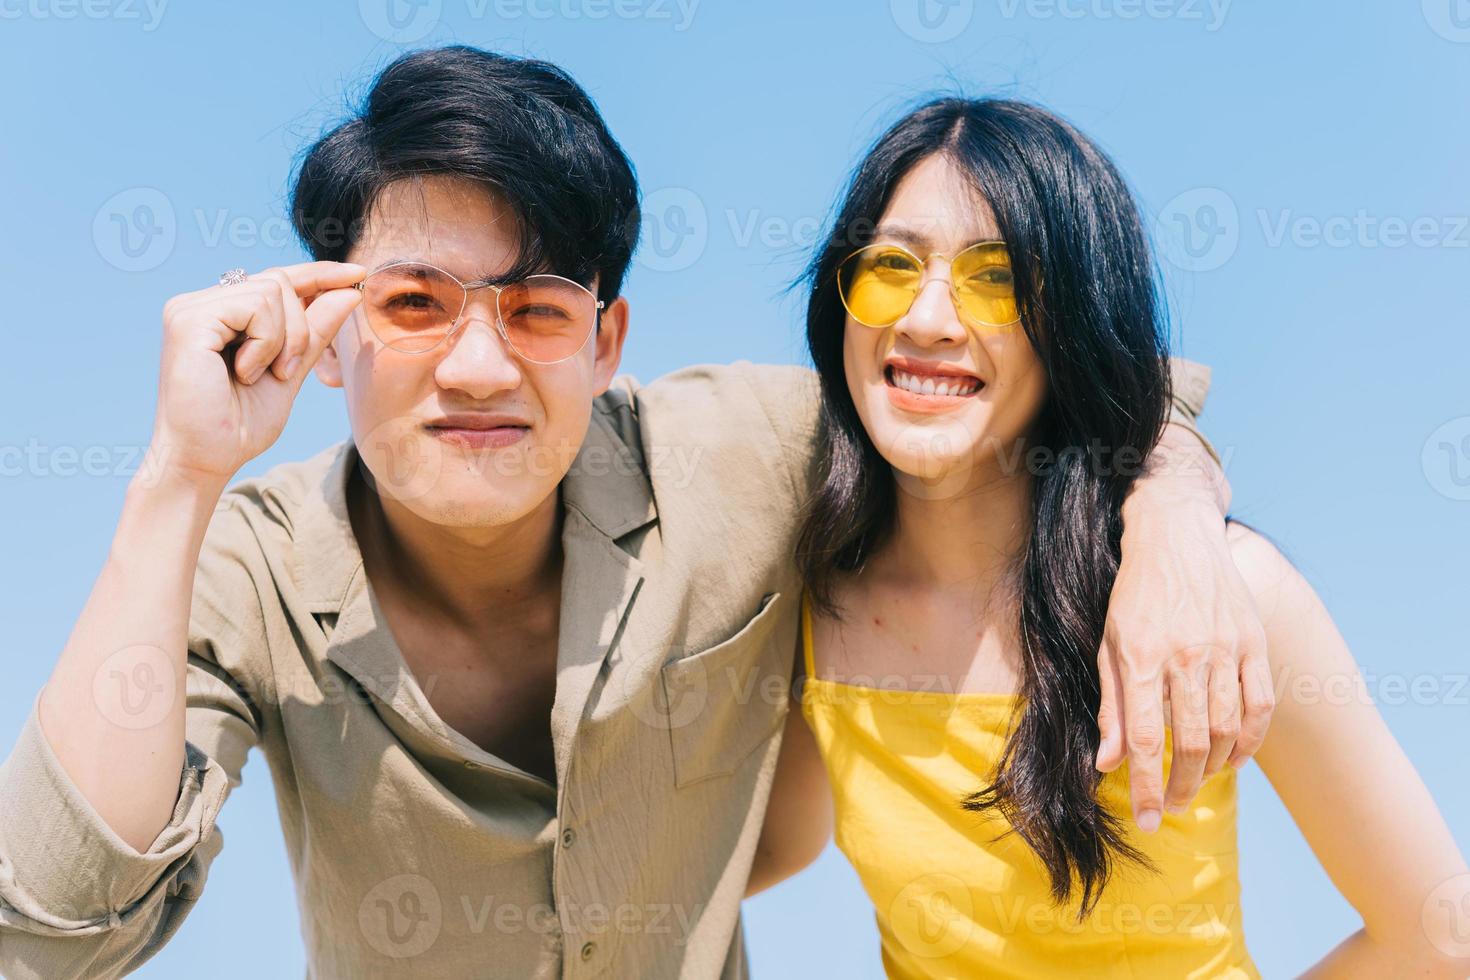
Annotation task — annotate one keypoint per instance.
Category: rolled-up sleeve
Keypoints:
(76, 900)
(1191, 386)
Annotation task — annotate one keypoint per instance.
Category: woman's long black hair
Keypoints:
(1088, 299)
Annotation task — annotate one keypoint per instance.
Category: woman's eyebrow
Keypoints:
(917, 241)
(903, 234)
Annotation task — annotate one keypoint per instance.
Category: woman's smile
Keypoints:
(928, 386)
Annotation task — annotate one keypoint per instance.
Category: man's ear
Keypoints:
(608, 343)
(328, 367)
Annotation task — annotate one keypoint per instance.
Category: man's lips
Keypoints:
(479, 430)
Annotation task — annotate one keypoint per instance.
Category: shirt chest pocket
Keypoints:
(722, 703)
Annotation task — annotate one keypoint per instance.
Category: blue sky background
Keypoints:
(1306, 163)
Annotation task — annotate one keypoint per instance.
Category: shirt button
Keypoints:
(589, 950)
(568, 837)
(471, 764)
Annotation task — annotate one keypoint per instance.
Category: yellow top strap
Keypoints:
(806, 635)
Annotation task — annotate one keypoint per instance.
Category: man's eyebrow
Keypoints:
(412, 260)
(488, 278)
(399, 260)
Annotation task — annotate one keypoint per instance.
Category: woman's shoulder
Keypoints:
(1269, 574)
(1300, 634)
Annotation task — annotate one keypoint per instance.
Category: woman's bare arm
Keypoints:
(1352, 791)
(799, 817)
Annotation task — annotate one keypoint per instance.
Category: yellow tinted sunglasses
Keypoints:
(879, 283)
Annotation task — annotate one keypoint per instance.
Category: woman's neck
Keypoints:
(975, 536)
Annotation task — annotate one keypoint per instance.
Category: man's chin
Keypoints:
(472, 510)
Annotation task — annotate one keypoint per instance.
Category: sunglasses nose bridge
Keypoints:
(937, 267)
(459, 330)
(490, 304)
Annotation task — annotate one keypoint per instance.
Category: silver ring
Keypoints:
(232, 278)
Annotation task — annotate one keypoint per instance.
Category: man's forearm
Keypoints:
(1180, 471)
(113, 709)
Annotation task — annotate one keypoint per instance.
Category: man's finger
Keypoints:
(325, 316)
(1143, 728)
(1189, 710)
(298, 334)
(1109, 713)
(310, 278)
(1260, 703)
(1224, 716)
(253, 309)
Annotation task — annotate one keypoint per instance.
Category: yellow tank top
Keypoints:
(953, 901)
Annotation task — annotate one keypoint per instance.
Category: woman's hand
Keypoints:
(234, 358)
(1181, 626)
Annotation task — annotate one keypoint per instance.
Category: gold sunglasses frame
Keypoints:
(923, 283)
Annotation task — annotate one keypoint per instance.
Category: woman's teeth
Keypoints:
(958, 388)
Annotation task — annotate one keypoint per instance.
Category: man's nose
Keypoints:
(479, 362)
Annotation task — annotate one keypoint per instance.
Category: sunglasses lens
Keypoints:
(411, 307)
(547, 318)
(878, 284)
(983, 286)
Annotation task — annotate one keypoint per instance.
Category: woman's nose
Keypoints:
(932, 319)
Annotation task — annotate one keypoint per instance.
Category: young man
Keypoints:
(518, 652)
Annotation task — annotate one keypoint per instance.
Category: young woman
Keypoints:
(986, 327)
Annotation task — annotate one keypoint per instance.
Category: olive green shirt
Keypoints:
(415, 852)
